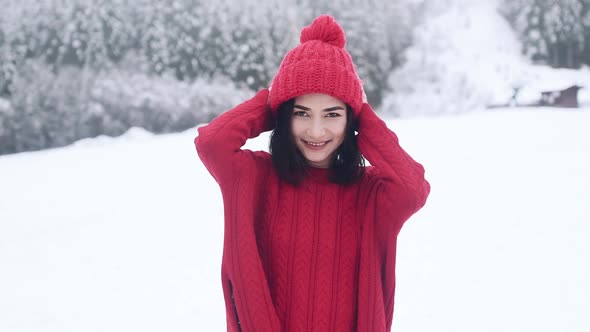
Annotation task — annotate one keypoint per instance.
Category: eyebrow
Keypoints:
(329, 109)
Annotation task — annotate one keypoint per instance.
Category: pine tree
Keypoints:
(585, 56)
(552, 31)
(53, 53)
(565, 31)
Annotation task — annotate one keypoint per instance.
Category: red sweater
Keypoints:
(318, 257)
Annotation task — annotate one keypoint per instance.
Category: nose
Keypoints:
(317, 129)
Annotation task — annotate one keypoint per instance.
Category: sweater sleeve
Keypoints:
(219, 143)
(403, 188)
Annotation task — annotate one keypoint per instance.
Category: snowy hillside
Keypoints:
(126, 234)
(451, 68)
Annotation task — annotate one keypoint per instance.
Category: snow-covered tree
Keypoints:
(54, 56)
(565, 31)
(586, 22)
(552, 31)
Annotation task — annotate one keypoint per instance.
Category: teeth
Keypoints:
(316, 144)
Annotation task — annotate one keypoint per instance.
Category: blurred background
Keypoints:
(73, 69)
(110, 222)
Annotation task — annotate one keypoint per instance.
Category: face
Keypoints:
(318, 124)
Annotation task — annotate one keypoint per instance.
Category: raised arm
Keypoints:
(404, 176)
(219, 143)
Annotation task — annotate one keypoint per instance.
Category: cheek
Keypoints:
(296, 128)
(339, 130)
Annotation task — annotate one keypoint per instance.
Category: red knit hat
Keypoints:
(320, 64)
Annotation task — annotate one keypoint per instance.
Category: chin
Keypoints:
(316, 160)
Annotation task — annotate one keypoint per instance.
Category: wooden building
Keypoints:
(561, 98)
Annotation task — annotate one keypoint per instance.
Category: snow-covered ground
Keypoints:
(125, 234)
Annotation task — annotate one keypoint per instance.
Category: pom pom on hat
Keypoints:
(319, 64)
(324, 28)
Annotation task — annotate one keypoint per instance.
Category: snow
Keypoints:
(127, 234)
(466, 57)
(4, 105)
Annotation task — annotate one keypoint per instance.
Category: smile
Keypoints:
(316, 145)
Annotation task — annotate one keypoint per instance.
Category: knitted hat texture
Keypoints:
(319, 64)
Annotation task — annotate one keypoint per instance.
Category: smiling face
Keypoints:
(318, 125)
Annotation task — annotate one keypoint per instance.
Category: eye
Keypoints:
(300, 113)
(333, 115)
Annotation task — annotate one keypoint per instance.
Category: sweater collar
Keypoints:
(321, 175)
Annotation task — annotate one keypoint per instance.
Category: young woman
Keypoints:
(310, 231)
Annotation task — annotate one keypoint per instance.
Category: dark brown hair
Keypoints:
(347, 164)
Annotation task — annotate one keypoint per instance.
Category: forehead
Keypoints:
(318, 100)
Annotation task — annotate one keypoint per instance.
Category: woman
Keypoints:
(310, 232)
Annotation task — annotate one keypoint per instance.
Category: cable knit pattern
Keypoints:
(318, 257)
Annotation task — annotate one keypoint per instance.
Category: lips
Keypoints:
(316, 145)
